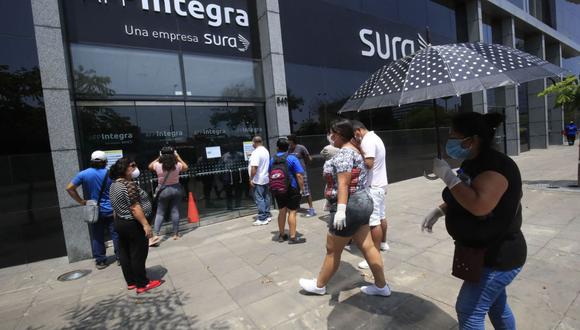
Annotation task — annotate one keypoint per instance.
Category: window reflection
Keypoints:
(222, 78)
(218, 181)
(30, 226)
(104, 72)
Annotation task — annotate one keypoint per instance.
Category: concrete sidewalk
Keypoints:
(233, 276)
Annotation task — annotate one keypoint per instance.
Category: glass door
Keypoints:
(210, 137)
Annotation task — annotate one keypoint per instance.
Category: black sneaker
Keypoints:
(282, 238)
(297, 240)
(101, 265)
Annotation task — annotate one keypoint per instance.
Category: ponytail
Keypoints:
(473, 123)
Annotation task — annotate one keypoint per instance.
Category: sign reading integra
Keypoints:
(224, 28)
(216, 15)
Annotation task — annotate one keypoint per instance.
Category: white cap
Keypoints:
(99, 156)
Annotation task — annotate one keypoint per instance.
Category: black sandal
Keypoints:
(297, 240)
(282, 238)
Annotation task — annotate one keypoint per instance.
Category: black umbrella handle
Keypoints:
(437, 133)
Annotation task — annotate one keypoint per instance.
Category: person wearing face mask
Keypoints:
(350, 210)
(132, 207)
(483, 216)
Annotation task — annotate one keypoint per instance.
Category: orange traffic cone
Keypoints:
(192, 213)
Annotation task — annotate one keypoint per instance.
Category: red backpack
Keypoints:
(279, 176)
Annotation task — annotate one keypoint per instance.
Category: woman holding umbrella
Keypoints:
(483, 215)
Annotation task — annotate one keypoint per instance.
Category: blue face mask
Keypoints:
(455, 150)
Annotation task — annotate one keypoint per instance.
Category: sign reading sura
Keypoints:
(228, 27)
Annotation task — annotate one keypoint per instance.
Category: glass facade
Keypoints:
(171, 80)
(567, 13)
(218, 182)
(336, 46)
(30, 225)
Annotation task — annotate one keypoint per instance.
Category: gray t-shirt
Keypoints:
(301, 153)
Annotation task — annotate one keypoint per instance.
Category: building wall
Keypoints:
(308, 57)
(30, 225)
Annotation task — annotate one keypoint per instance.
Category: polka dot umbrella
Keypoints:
(448, 70)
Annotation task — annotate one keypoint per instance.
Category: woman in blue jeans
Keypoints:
(483, 215)
(167, 167)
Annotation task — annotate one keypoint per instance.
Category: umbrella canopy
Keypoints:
(448, 70)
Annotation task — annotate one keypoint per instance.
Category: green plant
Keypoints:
(567, 93)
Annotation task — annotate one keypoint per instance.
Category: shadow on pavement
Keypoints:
(553, 184)
(401, 310)
(160, 308)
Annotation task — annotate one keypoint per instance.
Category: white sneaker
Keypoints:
(260, 223)
(363, 265)
(269, 219)
(310, 286)
(373, 290)
(385, 246)
(348, 248)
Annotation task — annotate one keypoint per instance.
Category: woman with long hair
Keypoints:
(132, 207)
(169, 192)
(483, 215)
(350, 211)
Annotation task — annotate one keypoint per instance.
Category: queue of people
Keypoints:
(481, 207)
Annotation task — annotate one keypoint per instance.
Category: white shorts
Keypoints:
(378, 196)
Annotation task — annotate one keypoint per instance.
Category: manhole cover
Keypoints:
(74, 275)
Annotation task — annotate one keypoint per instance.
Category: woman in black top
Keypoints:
(132, 207)
(483, 215)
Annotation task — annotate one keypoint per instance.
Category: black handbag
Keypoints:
(468, 263)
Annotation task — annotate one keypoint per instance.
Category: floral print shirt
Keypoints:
(345, 160)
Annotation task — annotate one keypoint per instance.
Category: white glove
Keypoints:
(340, 217)
(431, 219)
(445, 173)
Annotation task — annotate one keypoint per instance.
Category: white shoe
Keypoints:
(260, 223)
(373, 290)
(347, 247)
(310, 286)
(269, 219)
(363, 265)
(385, 246)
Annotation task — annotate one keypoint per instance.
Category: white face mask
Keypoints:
(135, 174)
(328, 137)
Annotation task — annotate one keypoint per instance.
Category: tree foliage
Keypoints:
(567, 93)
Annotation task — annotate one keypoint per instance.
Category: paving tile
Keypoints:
(274, 310)
(208, 307)
(568, 324)
(538, 235)
(252, 291)
(532, 318)
(548, 297)
(565, 245)
(235, 320)
(439, 263)
(548, 272)
(238, 276)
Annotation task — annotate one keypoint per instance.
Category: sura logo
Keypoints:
(240, 43)
(384, 46)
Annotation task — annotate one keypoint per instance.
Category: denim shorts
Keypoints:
(358, 212)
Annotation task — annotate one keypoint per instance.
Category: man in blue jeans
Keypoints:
(259, 179)
(91, 180)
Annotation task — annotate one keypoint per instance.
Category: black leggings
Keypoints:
(133, 250)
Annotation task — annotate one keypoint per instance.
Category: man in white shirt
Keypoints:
(376, 161)
(258, 169)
